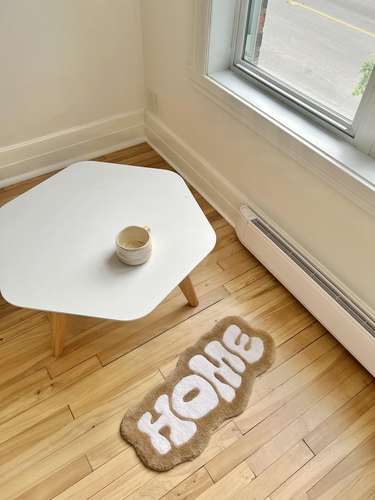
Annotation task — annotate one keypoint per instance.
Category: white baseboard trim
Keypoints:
(49, 153)
(214, 187)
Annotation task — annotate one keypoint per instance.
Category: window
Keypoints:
(317, 55)
(342, 157)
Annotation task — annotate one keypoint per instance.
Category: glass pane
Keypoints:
(324, 49)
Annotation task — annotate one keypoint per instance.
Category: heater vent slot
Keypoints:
(330, 288)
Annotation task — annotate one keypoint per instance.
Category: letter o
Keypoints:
(201, 404)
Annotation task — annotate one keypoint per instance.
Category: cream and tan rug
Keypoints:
(211, 383)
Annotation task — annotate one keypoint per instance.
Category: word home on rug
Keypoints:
(211, 382)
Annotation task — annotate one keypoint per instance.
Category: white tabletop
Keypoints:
(57, 241)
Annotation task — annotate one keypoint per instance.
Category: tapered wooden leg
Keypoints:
(58, 321)
(188, 290)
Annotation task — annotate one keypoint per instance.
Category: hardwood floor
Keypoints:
(308, 431)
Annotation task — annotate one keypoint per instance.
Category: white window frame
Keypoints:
(348, 164)
(351, 131)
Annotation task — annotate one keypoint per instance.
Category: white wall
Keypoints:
(204, 140)
(68, 64)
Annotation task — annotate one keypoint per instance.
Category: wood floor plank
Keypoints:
(202, 202)
(10, 392)
(24, 354)
(291, 318)
(326, 432)
(57, 440)
(209, 277)
(231, 484)
(332, 370)
(45, 388)
(220, 254)
(15, 322)
(362, 488)
(192, 487)
(277, 473)
(30, 348)
(105, 450)
(270, 316)
(297, 343)
(125, 475)
(271, 401)
(84, 345)
(309, 420)
(9, 192)
(203, 273)
(160, 484)
(216, 220)
(75, 374)
(153, 161)
(125, 485)
(342, 480)
(113, 392)
(281, 374)
(122, 154)
(88, 435)
(26, 448)
(28, 418)
(19, 396)
(246, 278)
(101, 477)
(20, 325)
(5, 310)
(225, 236)
(221, 278)
(26, 183)
(149, 160)
(59, 481)
(232, 260)
(304, 479)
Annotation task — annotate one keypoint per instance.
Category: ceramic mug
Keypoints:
(133, 245)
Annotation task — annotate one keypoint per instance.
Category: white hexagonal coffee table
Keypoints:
(57, 250)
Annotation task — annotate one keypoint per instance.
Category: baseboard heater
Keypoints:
(350, 324)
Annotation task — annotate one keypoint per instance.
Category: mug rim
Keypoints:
(128, 249)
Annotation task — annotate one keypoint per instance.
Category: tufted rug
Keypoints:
(211, 383)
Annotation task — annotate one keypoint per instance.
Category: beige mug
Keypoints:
(133, 245)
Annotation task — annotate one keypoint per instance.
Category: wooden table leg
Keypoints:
(58, 321)
(188, 290)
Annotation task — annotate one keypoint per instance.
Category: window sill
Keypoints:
(335, 160)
